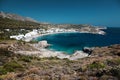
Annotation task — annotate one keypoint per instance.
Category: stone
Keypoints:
(43, 44)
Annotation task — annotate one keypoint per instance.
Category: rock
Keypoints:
(43, 44)
(107, 50)
(87, 50)
(77, 55)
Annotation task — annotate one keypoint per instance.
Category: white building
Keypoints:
(27, 35)
(7, 29)
(17, 37)
(32, 33)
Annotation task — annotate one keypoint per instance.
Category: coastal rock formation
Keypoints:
(107, 50)
(17, 46)
(39, 50)
(43, 44)
(78, 54)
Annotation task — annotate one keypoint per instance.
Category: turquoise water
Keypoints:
(70, 42)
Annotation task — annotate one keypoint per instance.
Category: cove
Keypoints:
(71, 42)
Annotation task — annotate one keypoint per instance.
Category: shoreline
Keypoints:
(46, 53)
(28, 39)
(43, 52)
(40, 35)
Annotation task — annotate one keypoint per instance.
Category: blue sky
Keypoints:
(94, 12)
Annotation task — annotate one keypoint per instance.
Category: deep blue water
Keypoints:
(70, 42)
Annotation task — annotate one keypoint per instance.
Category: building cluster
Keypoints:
(35, 32)
(27, 35)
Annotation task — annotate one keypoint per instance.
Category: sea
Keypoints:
(71, 42)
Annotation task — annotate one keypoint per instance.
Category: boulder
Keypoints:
(87, 50)
(43, 44)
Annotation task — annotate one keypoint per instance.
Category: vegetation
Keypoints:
(16, 65)
(114, 62)
(5, 35)
(3, 71)
(10, 27)
(96, 65)
(115, 71)
(25, 58)
(6, 23)
(12, 66)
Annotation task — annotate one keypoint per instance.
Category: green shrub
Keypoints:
(12, 66)
(26, 58)
(33, 41)
(96, 65)
(53, 58)
(2, 71)
(5, 52)
(115, 72)
(113, 62)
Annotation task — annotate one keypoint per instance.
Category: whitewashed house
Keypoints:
(32, 33)
(17, 37)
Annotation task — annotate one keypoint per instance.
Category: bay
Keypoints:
(71, 42)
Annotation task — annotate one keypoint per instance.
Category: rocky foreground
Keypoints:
(102, 64)
(39, 50)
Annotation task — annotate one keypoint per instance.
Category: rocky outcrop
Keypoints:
(107, 50)
(20, 46)
(78, 54)
(43, 44)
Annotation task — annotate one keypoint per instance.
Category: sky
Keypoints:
(94, 12)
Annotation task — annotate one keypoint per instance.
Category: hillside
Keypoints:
(16, 17)
(6, 23)
(14, 21)
(104, 64)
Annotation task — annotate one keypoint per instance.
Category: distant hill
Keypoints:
(14, 24)
(8, 20)
(16, 17)
(14, 21)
